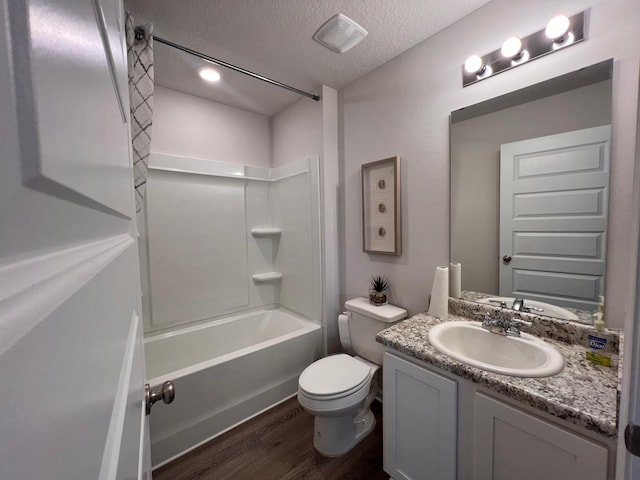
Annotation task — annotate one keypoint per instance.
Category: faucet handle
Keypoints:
(519, 321)
(486, 315)
(529, 308)
(500, 303)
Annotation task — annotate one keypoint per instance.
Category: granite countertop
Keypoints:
(584, 317)
(583, 393)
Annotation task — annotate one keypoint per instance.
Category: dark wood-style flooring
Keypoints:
(277, 445)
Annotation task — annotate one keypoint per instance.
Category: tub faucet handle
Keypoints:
(167, 394)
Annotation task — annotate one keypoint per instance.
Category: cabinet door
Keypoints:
(419, 421)
(510, 444)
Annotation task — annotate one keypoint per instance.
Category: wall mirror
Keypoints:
(530, 192)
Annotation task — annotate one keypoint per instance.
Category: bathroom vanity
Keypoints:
(444, 419)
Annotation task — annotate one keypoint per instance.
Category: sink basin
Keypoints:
(549, 310)
(524, 356)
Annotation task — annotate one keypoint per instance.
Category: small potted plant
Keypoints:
(377, 292)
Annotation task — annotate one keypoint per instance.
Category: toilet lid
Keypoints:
(333, 375)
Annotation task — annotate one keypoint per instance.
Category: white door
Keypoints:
(554, 193)
(71, 354)
(628, 462)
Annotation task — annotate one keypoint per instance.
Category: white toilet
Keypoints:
(339, 389)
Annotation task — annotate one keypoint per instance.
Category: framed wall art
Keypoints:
(381, 230)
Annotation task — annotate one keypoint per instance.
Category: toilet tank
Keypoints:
(365, 321)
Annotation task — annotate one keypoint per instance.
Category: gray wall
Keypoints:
(475, 171)
(195, 127)
(402, 108)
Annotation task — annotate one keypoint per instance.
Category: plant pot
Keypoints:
(377, 298)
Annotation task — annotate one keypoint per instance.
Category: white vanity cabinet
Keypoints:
(419, 422)
(438, 426)
(510, 443)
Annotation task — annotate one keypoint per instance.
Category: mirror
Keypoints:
(529, 194)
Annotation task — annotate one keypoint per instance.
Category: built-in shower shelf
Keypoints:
(269, 277)
(266, 232)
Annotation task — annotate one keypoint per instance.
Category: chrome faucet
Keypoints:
(520, 306)
(504, 327)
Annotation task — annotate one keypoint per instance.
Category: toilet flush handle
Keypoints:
(167, 394)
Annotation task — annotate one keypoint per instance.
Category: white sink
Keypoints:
(524, 356)
(548, 309)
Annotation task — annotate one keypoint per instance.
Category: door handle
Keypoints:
(166, 394)
(632, 439)
(506, 258)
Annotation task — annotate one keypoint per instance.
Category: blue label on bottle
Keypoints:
(597, 343)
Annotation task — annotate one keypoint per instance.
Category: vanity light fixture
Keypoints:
(513, 49)
(474, 64)
(560, 32)
(557, 28)
(209, 74)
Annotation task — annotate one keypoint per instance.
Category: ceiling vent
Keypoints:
(339, 33)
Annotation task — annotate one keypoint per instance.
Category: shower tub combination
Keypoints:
(225, 372)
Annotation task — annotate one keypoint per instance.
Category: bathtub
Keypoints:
(225, 372)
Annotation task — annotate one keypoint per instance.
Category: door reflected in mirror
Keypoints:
(530, 191)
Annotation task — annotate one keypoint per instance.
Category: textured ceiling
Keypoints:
(273, 38)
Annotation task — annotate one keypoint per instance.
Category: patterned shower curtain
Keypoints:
(140, 60)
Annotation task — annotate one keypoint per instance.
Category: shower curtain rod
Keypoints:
(140, 34)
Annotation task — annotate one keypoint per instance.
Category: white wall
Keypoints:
(311, 128)
(297, 132)
(194, 127)
(403, 107)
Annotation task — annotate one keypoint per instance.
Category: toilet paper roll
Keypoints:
(439, 306)
(455, 280)
(343, 330)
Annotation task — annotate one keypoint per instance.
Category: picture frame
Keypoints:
(381, 214)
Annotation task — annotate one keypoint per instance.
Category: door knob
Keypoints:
(167, 394)
(506, 258)
(632, 439)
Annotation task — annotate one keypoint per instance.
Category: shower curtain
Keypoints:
(140, 60)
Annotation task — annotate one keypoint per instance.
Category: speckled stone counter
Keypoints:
(543, 326)
(583, 393)
(584, 317)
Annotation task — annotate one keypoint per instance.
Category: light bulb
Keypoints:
(557, 27)
(209, 74)
(474, 64)
(512, 47)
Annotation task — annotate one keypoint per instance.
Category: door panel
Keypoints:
(511, 444)
(78, 145)
(71, 360)
(553, 217)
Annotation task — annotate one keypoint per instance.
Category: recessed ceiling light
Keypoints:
(209, 74)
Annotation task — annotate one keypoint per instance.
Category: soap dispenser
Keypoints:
(599, 342)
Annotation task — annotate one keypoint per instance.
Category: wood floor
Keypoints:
(277, 445)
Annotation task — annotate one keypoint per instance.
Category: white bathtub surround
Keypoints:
(222, 238)
(439, 305)
(225, 372)
(455, 279)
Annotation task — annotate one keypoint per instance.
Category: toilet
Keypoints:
(339, 389)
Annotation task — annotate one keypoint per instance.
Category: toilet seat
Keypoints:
(334, 377)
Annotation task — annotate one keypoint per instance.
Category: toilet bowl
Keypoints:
(339, 389)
